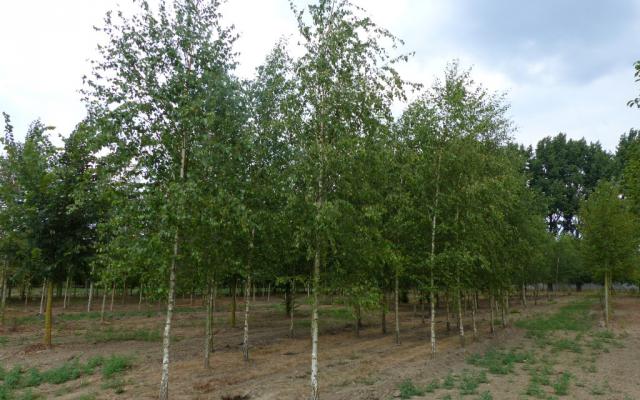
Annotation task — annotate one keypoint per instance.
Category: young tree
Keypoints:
(611, 237)
(157, 93)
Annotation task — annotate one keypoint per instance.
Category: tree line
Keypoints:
(184, 178)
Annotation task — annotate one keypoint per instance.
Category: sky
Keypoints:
(565, 65)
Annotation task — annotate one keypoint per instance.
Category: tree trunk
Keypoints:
(90, 297)
(292, 308)
(524, 295)
(48, 315)
(460, 322)
(113, 294)
(607, 278)
(446, 301)
(66, 294)
(140, 297)
(3, 286)
(474, 308)
(213, 310)
(245, 338)
(268, 292)
(358, 319)
(434, 221)
(208, 327)
(42, 296)
(166, 337)
(492, 317)
(234, 289)
(383, 315)
(396, 296)
(104, 303)
(503, 310)
(124, 291)
(315, 395)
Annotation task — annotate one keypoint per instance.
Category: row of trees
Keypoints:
(185, 178)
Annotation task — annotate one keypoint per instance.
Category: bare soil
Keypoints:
(369, 367)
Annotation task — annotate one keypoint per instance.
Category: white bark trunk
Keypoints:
(395, 301)
(245, 337)
(44, 289)
(66, 294)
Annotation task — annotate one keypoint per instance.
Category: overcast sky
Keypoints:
(566, 65)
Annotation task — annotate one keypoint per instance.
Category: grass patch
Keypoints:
(409, 390)
(469, 382)
(114, 365)
(572, 317)
(449, 381)
(120, 335)
(567, 345)
(117, 385)
(486, 395)
(432, 386)
(561, 385)
(500, 362)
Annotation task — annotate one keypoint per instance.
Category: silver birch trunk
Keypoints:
(208, 328)
(524, 295)
(66, 294)
(104, 303)
(268, 292)
(113, 294)
(140, 297)
(474, 308)
(245, 337)
(292, 308)
(44, 288)
(3, 300)
(213, 310)
(315, 395)
(384, 312)
(606, 299)
(434, 221)
(491, 315)
(90, 297)
(460, 322)
(396, 307)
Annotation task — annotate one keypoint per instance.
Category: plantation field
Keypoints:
(554, 349)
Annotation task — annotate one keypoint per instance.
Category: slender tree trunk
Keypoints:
(140, 297)
(208, 328)
(383, 315)
(292, 308)
(27, 295)
(124, 290)
(90, 297)
(446, 301)
(524, 294)
(503, 310)
(315, 395)
(245, 338)
(3, 286)
(211, 314)
(234, 290)
(48, 317)
(268, 292)
(474, 308)
(492, 317)
(104, 303)
(358, 319)
(42, 296)
(607, 278)
(460, 322)
(434, 221)
(396, 296)
(66, 293)
(113, 294)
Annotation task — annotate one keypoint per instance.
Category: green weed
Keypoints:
(409, 390)
(561, 385)
(115, 364)
(120, 335)
(500, 362)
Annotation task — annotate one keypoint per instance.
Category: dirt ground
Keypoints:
(369, 367)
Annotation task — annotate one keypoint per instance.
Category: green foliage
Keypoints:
(572, 317)
(122, 335)
(409, 390)
(499, 362)
(115, 365)
(561, 385)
